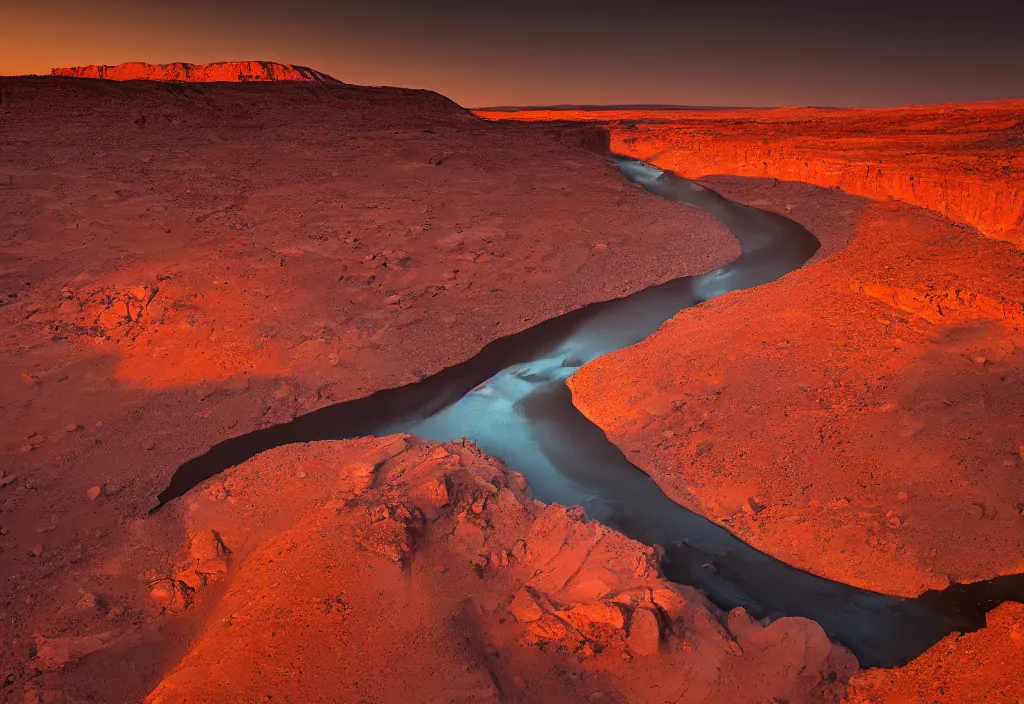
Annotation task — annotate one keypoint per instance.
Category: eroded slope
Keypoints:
(859, 419)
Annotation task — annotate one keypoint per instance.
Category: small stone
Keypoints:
(644, 632)
(72, 427)
(99, 424)
(94, 492)
(479, 504)
(752, 506)
(519, 683)
(525, 608)
(449, 275)
(600, 247)
(87, 603)
(393, 300)
(69, 308)
(7, 479)
(36, 550)
(902, 497)
(980, 360)
(162, 592)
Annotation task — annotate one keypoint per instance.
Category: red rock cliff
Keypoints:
(230, 71)
(963, 161)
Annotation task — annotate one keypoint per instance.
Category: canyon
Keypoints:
(963, 161)
(186, 262)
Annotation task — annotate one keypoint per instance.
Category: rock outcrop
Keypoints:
(230, 71)
(394, 570)
(964, 161)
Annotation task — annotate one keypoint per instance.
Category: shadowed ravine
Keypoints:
(511, 399)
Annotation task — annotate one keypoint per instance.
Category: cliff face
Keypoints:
(965, 162)
(229, 71)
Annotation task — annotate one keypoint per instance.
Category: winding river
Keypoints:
(511, 399)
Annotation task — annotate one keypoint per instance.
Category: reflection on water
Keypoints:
(511, 399)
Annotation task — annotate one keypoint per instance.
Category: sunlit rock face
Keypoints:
(231, 71)
(963, 161)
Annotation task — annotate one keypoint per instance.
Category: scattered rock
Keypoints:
(87, 603)
(52, 653)
(94, 492)
(752, 506)
(644, 632)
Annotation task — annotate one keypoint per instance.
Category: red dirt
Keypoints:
(231, 71)
(184, 263)
(180, 264)
(858, 418)
(397, 570)
(965, 161)
(974, 668)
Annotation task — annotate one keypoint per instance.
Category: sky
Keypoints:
(533, 52)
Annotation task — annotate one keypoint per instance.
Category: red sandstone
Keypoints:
(231, 71)
(964, 161)
(192, 268)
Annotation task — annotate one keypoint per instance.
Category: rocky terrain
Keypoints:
(855, 419)
(229, 71)
(963, 161)
(185, 262)
(400, 570)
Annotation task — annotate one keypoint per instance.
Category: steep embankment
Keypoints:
(231, 71)
(965, 162)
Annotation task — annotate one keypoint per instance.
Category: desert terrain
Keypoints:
(186, 261)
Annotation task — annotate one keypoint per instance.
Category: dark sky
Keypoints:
(729, 52)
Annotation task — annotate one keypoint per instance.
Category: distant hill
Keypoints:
(597, 108)
(227, 71)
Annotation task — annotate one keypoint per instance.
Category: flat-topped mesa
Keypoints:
(229, 71)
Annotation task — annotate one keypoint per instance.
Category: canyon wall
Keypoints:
(964, 161)
(230, 71)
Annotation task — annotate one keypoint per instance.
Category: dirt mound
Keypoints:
(230, 71)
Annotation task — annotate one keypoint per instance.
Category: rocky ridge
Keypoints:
(232, 71)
